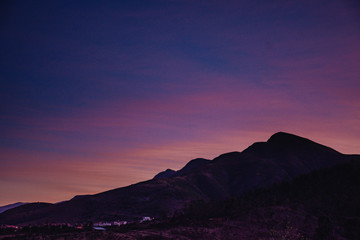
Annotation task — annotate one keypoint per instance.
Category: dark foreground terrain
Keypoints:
(323, 204)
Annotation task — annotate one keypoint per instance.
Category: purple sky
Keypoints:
(98, 95)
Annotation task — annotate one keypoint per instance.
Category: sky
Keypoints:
(97, 95)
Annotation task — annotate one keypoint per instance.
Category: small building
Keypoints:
(119, 223)
(145, 219)
(102, 224)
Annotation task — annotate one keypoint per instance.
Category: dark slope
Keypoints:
(323, 204)
(191, 166)
(283, 156)
(10, 206)
(26, 212)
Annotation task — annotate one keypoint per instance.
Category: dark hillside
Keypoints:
(283, 157)
(324, 204)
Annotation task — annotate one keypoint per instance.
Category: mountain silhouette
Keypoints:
(190, 166)
(10, 206)
(283, 157)
(165, 174)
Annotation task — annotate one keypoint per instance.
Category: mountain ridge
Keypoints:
(190, 166)
(283, 156)
(10, 206)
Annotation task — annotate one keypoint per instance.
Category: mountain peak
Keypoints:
(282, 143)
(279, 139)
(292, 141)
(283, 137)
(193, 164)
(165, 174)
